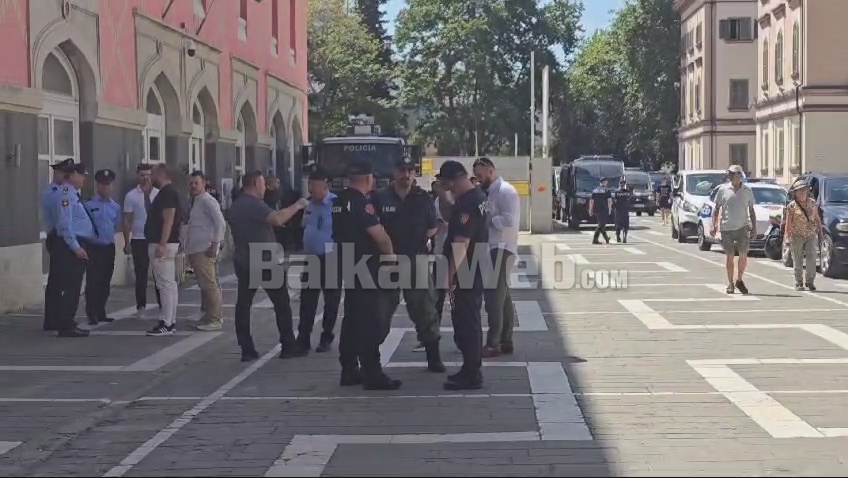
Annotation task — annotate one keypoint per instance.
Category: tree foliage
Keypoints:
(344, 64)
(465, 71)
(373, 17)
(623, 82)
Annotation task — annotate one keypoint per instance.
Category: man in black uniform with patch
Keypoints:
(409, 216)
(465, 247)
(621, 204)
(360, 237)
(600, 206)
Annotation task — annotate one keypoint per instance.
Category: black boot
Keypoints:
(302, 346)
(324, 345)
(434, 358)
(350, 376)
(377, 380)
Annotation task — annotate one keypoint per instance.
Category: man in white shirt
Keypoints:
(504, 217)
(136, 203)
(206, 229)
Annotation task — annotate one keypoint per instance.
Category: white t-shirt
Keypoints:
(504, 207)
(134, 203)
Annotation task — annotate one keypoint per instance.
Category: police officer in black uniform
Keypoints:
(621, 204)
(409, 217)
(359, 236)
(600, 206)
(466, 245)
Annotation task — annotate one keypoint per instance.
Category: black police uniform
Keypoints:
(469, 220)
(622, 203)
(600, 197)
(364, 325)
(407, 221)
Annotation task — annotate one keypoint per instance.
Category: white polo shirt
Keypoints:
(134, 203)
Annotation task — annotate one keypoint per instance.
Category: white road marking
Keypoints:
(634, 251)
(648, 316)
(390, 345)
(656, 233)
(7, 446)
(671, 267)
(722, 289)
(163, 435)
(578, 259)
(557, 412)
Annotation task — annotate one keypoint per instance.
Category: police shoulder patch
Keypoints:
(369, 208)
(65, 203)
(464, 218)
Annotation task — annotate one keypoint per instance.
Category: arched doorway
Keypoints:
(154, 132)
(196, 161)
(245, 144)
(280, 156)
(239, 166)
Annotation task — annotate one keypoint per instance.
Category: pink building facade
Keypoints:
(214, 85)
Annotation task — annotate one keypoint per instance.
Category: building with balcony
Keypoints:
(717, 72)
(217, 86)
(802, 87)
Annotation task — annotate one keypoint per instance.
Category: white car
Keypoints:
(769, 199)
(691, 190)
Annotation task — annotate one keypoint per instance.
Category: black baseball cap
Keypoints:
(65, 165)
(602, 180)
(452, 170)
(319, 174)
(360, 168)
(105, 176)
(404, 163)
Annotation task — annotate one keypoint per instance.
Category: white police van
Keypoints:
(769, 198)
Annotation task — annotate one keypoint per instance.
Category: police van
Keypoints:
(578, 178)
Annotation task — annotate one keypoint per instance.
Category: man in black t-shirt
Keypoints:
(663, 193)
(621, 205)
(162, 232)
(600, 206)
(465, 247)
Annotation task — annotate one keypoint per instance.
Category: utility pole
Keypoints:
(541, 217)
(532, 106)
(515, 145)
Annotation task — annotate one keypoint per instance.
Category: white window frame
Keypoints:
(198, 138)
(155, 128)
(272, 167)
(767, 162)
(779, 148)
(796, 145)
(239, 166)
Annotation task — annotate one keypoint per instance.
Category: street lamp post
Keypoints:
(800, 139)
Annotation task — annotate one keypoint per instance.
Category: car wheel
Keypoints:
(673, 231)
(681, 238)
(786, 255)
(703, 243)
(651, 213)
(829, 266)
(639, 213)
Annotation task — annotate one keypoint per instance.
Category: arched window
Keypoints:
(796, 50)
(196, 143)
(765, 64)
(778, 59)
(272, 161)
(154, 132)
(58, 123)
(240, 153)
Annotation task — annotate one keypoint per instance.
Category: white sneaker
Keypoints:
(419, 348)
(209, 327)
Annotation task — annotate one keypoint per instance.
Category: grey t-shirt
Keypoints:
(735, 207)
(249, 224)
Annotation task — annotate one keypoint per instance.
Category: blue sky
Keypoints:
(596, 13)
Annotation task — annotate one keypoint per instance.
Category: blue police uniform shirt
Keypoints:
(106, 215)
(49, 198)
(318, 226)
(73, 222)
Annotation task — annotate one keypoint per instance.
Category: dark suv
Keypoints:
(831, 194)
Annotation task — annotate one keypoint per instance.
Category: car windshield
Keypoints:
(702, 184)
(766, 196)
(587, 176)
(639, 181)
(837, 190)
(334, 157)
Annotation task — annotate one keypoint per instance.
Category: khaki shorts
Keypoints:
(738, 240)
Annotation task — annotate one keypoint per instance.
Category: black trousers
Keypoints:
(309, 304)
(601, 228)
(244, 300)
(71, 270)
(622, 224)
(364, 328)
(467, 327)
(141, 264)
(52, 292)
(98, 279)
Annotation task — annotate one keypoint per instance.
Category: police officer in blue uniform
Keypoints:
(359, 236)
(600, 206)
(106, 216)
(465, 247)
(49, 199)
(75, 228)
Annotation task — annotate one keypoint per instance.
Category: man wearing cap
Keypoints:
(734, 208)
(409, 217)
(600, 206)
(621, 206)
(106, 215)
(49, 198)
(360, 240)
(76, 231)
(466, 246)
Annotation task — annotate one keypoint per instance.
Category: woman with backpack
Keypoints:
(804, 233)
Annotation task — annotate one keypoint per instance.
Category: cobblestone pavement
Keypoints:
(668, 376)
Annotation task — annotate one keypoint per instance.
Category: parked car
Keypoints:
(691, 190)
(643, 199)
(768, 200)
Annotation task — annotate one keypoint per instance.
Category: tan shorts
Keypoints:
(738, 240)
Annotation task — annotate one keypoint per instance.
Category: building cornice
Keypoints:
(779, 11)
(765, 20)
(793, 4)
(717, 123)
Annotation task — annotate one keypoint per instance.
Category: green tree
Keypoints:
(344, 64)
(373, 16)
(466, 67)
